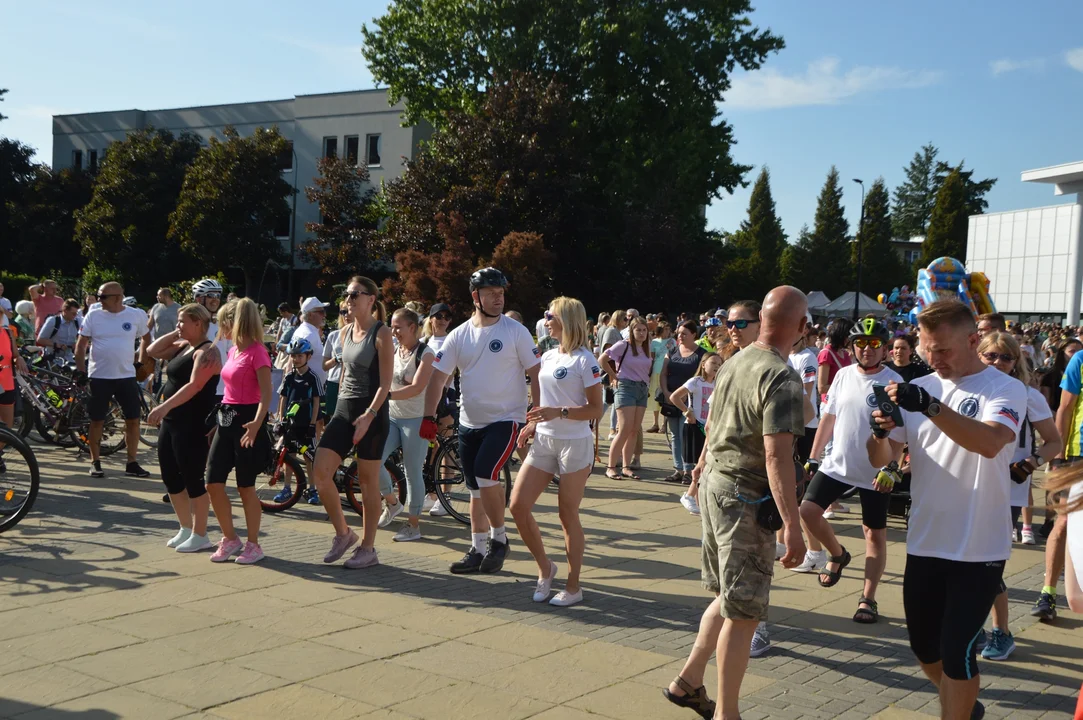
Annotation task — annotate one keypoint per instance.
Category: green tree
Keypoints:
(794, 266)
(3, 92)
(948, 224)
(881, 266)
(17, 171)
(759, 244)
(645, 78)
(829, 244)
(232, 199)
(44, 222)
(342, 238)
(974, 191)
(914, 199)
(125, 226)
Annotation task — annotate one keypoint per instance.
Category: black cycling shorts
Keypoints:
(338, 435)
(227, 454)
(125, 390)
(182, 457)
(484, 451)
(824, 490)
(7, 397)
(946, 604)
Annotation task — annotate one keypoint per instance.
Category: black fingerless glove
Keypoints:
(877, 431)
(1020, 472)
(912, 398)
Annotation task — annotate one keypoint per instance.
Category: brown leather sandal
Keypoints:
(694, 698)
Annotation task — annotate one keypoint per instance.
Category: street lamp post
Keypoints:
(293, 221)
(860, 227)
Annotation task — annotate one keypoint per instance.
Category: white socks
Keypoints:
(499, 534)
(478, 540)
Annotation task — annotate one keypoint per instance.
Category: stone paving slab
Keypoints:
(102, 621)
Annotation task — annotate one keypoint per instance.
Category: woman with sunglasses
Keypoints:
(743, 323)
(332, 359)
(678, 367)
(628, 364)
(361, 421)
(1002, 351)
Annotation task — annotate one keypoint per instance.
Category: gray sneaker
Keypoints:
(390, 513)
(407, 533)
(761, 641)
(339, 546)
(362, 558)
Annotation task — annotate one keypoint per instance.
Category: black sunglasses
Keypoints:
(739, 324)
(994, 356)
(356, 294)
(343, 311)
(550, 316)
(441, 316)
(108, 295)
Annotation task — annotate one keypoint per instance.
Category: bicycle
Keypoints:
(148, 400)
(61, 414)
(19, 479)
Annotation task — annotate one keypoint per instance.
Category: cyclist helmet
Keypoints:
(130, 301)
(869, 327)
(299, 346)
(487, 277)
(712, 322)
(206, 286)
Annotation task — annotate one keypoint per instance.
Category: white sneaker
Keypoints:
(829, 514)
(429, 503)
(195, 543)
(814, 562)
(182, 535)
(390, 513)
(1028, 537)
(761, 641)
(565, 598)
(438, 510)
(690, 504)
(780, 550)
(1015, 535)
(541, 593)
(407, 533)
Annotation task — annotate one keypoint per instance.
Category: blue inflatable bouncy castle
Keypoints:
(945, 278)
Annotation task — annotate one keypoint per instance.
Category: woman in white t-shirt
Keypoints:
(413, 368)
(571, 397)
(1003, 352)
(692, 400)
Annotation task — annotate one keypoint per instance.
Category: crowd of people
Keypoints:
(771, 420)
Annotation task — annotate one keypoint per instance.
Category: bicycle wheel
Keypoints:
(19, 480)
(112, 429)
(148, 434)
(277, 490)
(449, 482)
(352, 488)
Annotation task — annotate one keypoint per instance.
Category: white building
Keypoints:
(359, 125)
(1034, 258)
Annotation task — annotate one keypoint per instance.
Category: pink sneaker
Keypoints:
(339, 546)
(252, 554)
(226, 549)
(362, 558)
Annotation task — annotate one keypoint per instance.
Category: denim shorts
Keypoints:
(631, 393)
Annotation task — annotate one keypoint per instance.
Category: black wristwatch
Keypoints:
(934, 408)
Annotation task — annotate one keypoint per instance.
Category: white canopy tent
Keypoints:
(843, 306)
(817, 300)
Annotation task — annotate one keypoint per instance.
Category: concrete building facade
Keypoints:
(359, 125)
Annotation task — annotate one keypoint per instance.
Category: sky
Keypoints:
(860, 85)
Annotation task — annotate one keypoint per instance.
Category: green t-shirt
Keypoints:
(756, 393)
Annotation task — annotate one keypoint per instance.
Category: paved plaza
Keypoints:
(100, 620)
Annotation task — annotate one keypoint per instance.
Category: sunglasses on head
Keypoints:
(875, 343)
(739, 324)
(994, 356)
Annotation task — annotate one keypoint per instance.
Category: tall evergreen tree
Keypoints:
(881, 266)
(794, 267)
(915, 197)
(829, 246)
(759, 245)
(948, 224)
(973, 190)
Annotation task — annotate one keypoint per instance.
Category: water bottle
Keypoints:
(54, 398)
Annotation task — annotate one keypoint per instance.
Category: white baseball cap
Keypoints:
(311, 304)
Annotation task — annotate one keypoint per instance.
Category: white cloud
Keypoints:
(822, 83)
(329, 52)
(1007, 65)
(36, 112)
(1074, 58)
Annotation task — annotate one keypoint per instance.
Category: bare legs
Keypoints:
(529, 485)
(623, 447)
(957, 697)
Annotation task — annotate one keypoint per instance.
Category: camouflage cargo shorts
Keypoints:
(738, 554)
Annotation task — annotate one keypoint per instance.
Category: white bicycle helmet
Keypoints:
(205, 286)
(130, 301)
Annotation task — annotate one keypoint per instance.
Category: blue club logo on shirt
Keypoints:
(560, 373)
(969, 407)
(127, 326)
(496, 346)
(871, 400)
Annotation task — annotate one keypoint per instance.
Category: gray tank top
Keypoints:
(360, 365)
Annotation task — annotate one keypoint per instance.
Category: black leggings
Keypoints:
(182, 457)
(692, 442)
(226, 452)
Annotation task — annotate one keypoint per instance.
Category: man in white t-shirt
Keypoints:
(540, 331)
(629, 315)
(961, 425)
(840, 439)
(114, 329)
(314, 312)
(494, 355)
(804, 359)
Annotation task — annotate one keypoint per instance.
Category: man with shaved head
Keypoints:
(746, 470)
(114, 329)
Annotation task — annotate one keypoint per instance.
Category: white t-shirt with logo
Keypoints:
(1037, 410)
(564, 379)
(850, 399)
(699, 397)
(962, 501)
(806, 362)
(492, 363)
(114, 335)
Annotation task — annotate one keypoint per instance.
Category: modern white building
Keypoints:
(359, 125)
(1034, 258)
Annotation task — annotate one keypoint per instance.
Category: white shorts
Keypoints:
(560, 457)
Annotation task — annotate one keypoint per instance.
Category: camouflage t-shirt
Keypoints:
(756, 393)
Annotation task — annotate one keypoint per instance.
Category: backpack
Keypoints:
(418, 352)
(58, 319)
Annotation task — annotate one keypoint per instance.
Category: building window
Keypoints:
(352, 142)
(92, 160)
(372, 148)
(912, 256)
(285, 160)
(283, 226)
(77, 159)
(330, 147)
